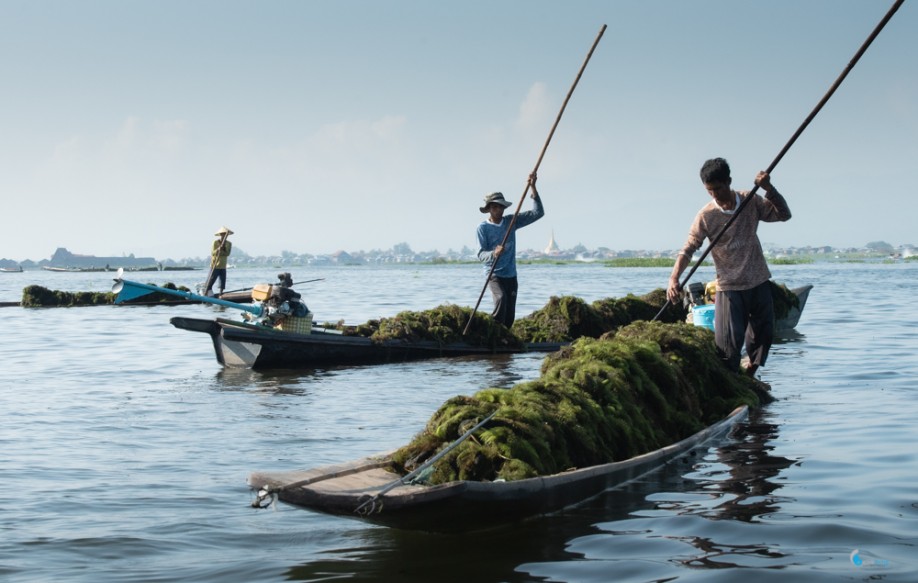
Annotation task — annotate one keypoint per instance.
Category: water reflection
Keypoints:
(272, 381)
(750, 483)
(383, 554)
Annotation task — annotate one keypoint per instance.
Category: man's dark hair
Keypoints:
(715, 170)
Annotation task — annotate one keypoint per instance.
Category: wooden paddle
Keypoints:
(533, 173)
(787, 146)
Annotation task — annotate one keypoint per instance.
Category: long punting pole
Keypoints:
(534, 170)
(213, 260)
(787, 146)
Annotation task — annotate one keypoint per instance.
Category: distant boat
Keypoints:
(61, 269)
(17, 269)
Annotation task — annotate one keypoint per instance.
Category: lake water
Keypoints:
(125, 446)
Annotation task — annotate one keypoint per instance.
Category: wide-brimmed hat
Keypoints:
(496, 198)
(222, 231)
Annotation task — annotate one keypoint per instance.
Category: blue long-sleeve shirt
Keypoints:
(490, 235)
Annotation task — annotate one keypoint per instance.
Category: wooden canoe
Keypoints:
(461, 506)
(784, 324)
(789, 322)
(241, 344)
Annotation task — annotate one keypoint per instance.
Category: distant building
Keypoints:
(552, 248)
(64, 258)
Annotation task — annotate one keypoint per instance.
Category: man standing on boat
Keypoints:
(744, 309)
(219, 253)
(491, 232)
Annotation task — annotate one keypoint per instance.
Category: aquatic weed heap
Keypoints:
(442, 324)
(599, 400)
(568, 317)
(563, 319)
(36, 296)
(784, 299)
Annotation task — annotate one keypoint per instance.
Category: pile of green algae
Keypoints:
(36, 296)
(645, 386)
(561, 320)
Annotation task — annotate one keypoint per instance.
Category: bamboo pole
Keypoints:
(787, 146)
(534, 171)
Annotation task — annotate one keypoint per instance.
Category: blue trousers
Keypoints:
(214, 276)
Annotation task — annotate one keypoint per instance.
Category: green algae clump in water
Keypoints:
(643, 387)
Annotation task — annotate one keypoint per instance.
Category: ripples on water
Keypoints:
(124, 446)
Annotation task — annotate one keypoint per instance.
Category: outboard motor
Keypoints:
(280, 302)
(287, 301)
(695, 295)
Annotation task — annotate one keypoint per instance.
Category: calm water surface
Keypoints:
(125, 446)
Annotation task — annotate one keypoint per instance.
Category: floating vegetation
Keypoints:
(567, 318)
(790, 260)
(639, 262)
(36, 296)
(643, 387)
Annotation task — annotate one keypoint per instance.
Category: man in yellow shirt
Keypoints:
(219, 254)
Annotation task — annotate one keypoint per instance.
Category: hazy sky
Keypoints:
(311, 126)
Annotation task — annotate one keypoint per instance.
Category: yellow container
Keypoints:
(261, 292)
(709, 291)
(296, 325)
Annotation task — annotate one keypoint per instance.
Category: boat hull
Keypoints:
(349, 489)
(789, 322)
(238, 344)
(782, 325)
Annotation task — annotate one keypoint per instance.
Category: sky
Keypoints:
(305, 126)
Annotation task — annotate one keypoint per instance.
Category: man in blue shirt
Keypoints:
(491, 232)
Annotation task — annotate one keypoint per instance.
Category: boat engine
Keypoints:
(279, 301)
(695, 295)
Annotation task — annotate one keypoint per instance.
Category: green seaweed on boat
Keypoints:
(36, 296)
(644, 386)
(784, 300)
(444, 324)
(568, 317)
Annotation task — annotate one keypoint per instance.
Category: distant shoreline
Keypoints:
(619, 262)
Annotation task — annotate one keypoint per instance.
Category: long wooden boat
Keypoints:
(790, 321)
(241, 344)
(253, 344)
(364, 489)
(703, 315)
(17, 269)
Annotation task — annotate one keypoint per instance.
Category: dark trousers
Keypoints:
(745, 316)
(216, 274)
(503, 290)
